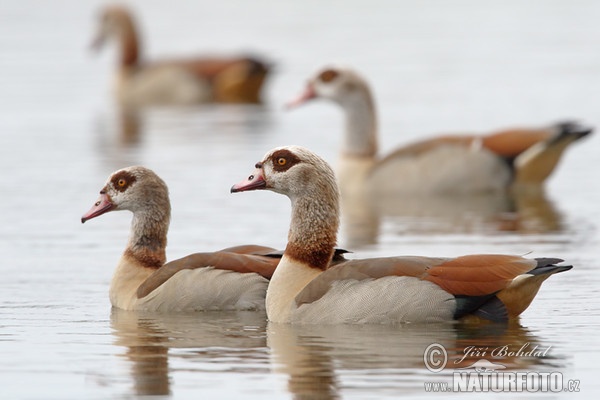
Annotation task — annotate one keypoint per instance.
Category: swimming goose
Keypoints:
(305, 288)
(445, 164)
(235, 278)
(176, 82)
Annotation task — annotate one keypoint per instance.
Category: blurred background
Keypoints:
(435, 67)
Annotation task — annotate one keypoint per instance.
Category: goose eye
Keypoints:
(281, 161)
(328, 75)
(121, 182)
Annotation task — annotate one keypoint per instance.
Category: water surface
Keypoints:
(435, 67)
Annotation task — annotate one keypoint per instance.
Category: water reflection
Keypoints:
(231, 339)
(124, 128)
(522, 211)
(129, 126)
(317, 358)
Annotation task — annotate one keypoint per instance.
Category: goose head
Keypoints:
(343, 86)
(349, 90)
(137, 189)
(110, 25)
(114, 23)
(308, 181)
(293, 171)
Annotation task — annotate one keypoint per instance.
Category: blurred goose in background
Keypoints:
(175, 82)
(231, 279)
(445, 164)
(306, 288)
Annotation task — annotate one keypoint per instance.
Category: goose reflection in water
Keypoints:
(154, 342)
(318, 362)
(131, 124)
(147, 350)
(520, 211)
(324, 362)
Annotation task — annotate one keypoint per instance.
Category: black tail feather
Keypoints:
(549, 266)
(572, 129)
(487, 307)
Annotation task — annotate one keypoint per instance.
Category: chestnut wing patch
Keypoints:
(478, 275)
(510, 143)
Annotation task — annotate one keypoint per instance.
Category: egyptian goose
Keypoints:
(445, 164)
(231, 279)
(176, 82)
(305, 288)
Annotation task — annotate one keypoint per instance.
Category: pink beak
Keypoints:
(308, 94)
(254, 182)
(103, 205)
(97, 42)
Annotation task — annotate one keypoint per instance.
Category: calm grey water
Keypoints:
(435, 67)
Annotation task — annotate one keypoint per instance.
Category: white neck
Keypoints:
(361, 125)
(352, 173)
(126, 279)
(289, 279)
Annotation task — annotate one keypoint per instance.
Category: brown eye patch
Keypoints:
(284, 160)
(328, 75)
(122, 180)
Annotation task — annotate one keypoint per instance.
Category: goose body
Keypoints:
(141, 83)
(307, 288)
(230, 279)
(444, 164)
(199, 289)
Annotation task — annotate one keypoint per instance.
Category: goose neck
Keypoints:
(361, 126)
(129, 43)
(313, 231)
(148, 239)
